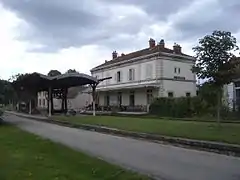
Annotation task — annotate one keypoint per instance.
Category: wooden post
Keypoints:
(50, 102)
(65, 100)
(30, 106)
(94, 98)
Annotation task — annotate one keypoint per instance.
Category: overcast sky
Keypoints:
(40, 35)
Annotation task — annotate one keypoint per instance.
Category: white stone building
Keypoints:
(140, 76)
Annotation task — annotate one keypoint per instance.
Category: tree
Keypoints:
(216, 61)
(71, 71)
(53, 73)
(208, 91)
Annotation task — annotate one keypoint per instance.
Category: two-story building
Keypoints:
(140, 76)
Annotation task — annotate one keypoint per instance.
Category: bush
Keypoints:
(180, 107)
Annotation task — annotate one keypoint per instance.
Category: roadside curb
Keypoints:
(222, 148)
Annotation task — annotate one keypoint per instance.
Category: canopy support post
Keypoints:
(30, 106)
(50, 102)
(94, 98)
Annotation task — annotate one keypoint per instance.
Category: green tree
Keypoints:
(216, 61)
(53, 73)
(71, 71)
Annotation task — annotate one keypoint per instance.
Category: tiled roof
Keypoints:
(139, 53)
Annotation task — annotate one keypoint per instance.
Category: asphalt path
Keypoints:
(164, 162)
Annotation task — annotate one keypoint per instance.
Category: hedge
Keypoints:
(179, 107)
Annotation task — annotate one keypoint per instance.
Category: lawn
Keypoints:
(229, 133)
(24, 156)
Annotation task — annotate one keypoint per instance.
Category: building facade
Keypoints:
(78, 98)
(232, 94)
(140, 76)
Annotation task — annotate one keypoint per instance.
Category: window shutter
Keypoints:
(121, 76)
(133, 74)
(115, 76)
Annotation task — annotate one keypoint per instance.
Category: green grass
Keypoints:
(24, 156)
(229, 133)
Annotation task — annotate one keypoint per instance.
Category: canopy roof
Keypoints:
(42, 82)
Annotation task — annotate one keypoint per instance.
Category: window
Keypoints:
(132, 99)
(170, 94)
(188, 94)
(131, 74)
(43, 102)
(118, 76)
(119, 98)
(148, 71)
(39, 102)
(149, 96)
(107, 100)
(237, 84)
(177, 70)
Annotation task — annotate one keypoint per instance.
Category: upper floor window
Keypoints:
(148, 71)
(118, 76)
(131, 74)
(177, 70)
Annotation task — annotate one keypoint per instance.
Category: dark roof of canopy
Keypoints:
(72, 80)
(42, 82)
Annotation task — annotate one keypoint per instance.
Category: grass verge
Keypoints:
(24, 156)
(229, 133)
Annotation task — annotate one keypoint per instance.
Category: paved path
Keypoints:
(163, 161)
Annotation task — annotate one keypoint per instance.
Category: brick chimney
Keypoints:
(152, 43)
(162, 43)
(114, 55)
(177, 48)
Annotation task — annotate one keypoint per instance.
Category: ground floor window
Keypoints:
(132, 99)
(107, 100)
(170, 94)
(119, 99)
(39, 102)
(149, 96)
(188, 94)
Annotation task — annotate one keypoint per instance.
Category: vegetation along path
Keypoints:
(210, 131)
(161, 161)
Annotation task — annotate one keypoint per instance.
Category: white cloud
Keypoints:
(126, 28)
(15, 57)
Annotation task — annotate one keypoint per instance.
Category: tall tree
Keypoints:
(216, 61)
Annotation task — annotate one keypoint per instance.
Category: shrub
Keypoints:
(179, 107)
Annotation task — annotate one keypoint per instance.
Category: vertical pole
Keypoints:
(50, 102)
(93, 96)
(30, 106)
(65, 100)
